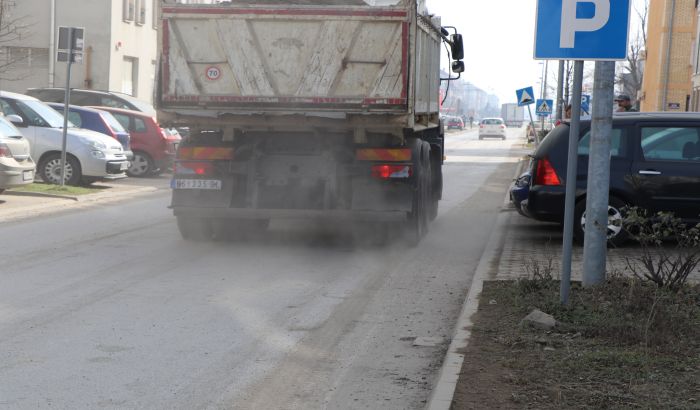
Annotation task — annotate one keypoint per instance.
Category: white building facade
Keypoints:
(120, 45)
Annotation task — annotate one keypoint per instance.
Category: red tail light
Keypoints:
(5, 151)
(546, 175)
(391, 171)
(503, 127)
(194, 168)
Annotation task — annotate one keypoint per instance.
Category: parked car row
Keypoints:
(109, 136)
(654, 165)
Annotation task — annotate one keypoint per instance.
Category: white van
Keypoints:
(91, 156)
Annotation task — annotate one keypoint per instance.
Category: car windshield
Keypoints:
(39, 113)
(492, 121)
(112, 122)
(7, 129)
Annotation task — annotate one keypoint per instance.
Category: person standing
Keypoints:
(624, 103)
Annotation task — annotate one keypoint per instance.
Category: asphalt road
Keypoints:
(106, 307)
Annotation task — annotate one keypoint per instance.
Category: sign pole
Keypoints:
(560, 91)
(532, 126)
(597, 198)
(71, 33)
(571, 172)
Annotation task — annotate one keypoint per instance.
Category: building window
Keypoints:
(155, 14)
(130, 76)
(141, 15)
(129, 10)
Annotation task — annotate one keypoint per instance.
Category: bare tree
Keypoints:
(631, 72)
(12, 29)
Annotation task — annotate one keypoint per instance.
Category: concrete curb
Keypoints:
(41, 195)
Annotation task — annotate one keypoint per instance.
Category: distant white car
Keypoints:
(16, 165)
(91, 156)
(492, 128)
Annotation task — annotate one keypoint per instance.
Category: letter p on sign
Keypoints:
(571, 24)
(582, 29)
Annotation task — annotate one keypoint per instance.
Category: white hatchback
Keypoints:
(492, 128)
(16, 165)
(91, 156)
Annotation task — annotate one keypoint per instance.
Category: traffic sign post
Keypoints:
(584, 30)
(526, 97)
(544, 107)
(597, 198)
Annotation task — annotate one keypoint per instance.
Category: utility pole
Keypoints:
(597, 197)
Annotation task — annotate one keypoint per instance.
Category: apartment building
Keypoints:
(671, 38)
(695, 96)
(120, 45)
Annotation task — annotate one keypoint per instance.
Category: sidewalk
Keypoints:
(528, 242)
(15, 206)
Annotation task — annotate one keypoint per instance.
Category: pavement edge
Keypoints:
(443, 393)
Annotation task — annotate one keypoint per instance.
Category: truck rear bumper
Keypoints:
(333, 215)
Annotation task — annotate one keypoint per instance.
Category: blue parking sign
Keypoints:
(582, 29)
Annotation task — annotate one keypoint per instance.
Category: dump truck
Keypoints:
(513, 115)
(304, 109)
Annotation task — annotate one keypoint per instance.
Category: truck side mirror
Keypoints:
(457, 47)
(458, 67)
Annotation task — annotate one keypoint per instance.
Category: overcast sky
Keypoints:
(498, 41)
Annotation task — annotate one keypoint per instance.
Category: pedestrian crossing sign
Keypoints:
(525, 96)
(544, 107)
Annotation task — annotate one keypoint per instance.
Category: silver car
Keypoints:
(16, 165)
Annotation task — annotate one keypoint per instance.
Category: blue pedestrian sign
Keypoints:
(582, 29)
(544, 108)
(526, 96)
(586, 104)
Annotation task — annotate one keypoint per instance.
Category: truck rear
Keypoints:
(315, 109)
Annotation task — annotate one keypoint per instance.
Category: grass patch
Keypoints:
(40, 187)
(626, 344)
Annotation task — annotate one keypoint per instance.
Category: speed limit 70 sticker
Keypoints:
(213, 73)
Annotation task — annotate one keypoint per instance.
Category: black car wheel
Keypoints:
(617, 235)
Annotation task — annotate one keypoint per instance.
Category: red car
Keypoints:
(455, 122)
(153, 147)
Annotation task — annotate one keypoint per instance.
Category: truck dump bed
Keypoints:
(304, 56)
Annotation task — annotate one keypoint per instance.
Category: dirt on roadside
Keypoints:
(584, 363)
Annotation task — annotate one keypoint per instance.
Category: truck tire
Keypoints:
(436, 183)
(195, 229)
(417, 224)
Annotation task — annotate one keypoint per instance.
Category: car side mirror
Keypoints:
(15, 119)
(458, 67)
(457, 47)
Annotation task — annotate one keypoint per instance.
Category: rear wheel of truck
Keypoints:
(417, 224)
(195, 229)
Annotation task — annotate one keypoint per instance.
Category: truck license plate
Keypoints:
(28, 175)
(211, 184)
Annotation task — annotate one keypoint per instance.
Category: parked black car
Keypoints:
(655, 165)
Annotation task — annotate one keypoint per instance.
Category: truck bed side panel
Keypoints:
(286, 58)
